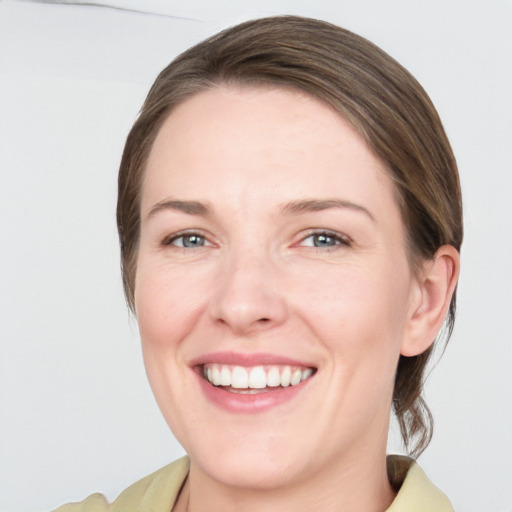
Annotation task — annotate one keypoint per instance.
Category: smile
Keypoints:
(255, 379)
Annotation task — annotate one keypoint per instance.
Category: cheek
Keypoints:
(154, 317)
(355, 296)
(165, 304)
(165, 310)
(359, 314)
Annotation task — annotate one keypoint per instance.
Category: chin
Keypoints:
(252, 460)
(250, 470)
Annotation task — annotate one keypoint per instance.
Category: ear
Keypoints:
(430, 300)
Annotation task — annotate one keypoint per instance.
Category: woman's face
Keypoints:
(273, 290)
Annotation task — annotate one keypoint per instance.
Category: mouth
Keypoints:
(254, 379)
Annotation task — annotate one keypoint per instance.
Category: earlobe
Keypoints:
(435, 288)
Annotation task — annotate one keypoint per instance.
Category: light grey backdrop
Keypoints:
(77, 415)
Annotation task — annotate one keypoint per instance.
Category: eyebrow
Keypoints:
(316, 205)
(291, 208)
(189, 207)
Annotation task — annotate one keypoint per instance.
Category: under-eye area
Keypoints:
(254, 379)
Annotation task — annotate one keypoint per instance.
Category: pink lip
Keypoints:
(246, 359)
(249, 404)
(239, 403)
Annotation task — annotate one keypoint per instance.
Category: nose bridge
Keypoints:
(247, 294)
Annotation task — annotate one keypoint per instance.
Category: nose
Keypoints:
(248, 296)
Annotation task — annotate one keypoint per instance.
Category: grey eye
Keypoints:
(324, 241)
(189, 241)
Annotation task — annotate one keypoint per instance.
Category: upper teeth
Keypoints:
(256, 377)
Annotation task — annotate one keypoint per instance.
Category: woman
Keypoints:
(289, 215)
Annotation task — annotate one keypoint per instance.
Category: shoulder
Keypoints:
(156, 492)
(414, 490)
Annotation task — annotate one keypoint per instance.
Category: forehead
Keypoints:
(258, 143)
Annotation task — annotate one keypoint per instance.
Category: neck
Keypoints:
(354, 485)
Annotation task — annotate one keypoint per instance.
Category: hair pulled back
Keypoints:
(381, 100)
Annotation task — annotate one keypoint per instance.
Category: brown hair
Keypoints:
(383, 102)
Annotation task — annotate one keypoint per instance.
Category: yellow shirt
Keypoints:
(158, 491)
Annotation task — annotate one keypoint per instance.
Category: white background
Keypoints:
(77, 415)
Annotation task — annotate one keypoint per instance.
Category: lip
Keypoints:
(247, 359)
(240, 403)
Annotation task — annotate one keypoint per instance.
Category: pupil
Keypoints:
(323, 241)
(193, 241)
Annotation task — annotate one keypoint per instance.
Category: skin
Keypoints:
(255, 283)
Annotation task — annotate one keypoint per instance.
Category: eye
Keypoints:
(325, 239)
(187, 240)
